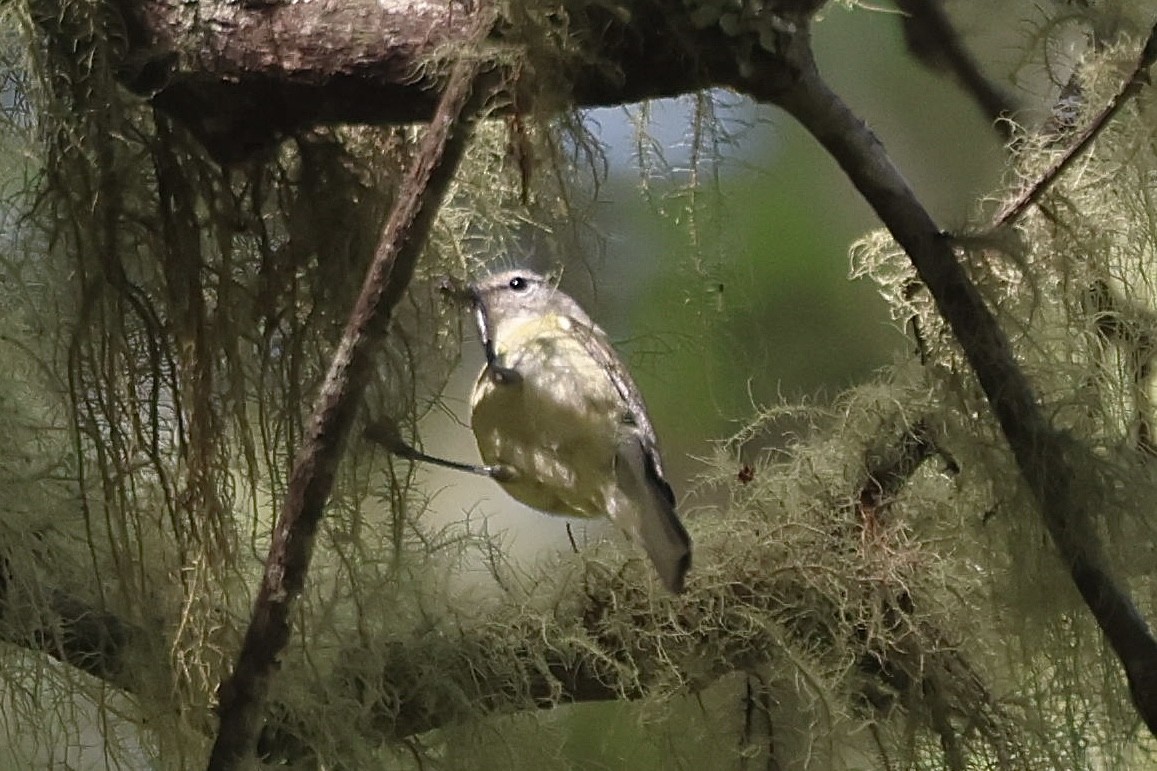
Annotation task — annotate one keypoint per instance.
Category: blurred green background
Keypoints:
(748, 300)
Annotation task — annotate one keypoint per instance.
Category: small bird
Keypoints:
(560, 422)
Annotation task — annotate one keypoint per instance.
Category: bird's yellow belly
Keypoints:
(555, 426)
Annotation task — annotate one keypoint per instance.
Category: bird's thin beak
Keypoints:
(467, 294)
(457, 291)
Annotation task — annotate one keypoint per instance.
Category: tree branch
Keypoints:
(1044, 456)
(242, 75)
(602, 638)
(932, 38)
(1013, 209)
(889, 475)
(242, 696)
(73, 632)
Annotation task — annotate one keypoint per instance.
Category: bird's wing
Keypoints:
(639, 470)
(644, 506)
(594, 340)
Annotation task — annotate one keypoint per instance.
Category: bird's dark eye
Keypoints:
(518, 283)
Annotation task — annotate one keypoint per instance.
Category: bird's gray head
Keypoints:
(516, 293)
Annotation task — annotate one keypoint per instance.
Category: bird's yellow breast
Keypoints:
(556, 424)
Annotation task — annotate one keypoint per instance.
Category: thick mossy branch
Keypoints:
(793, 580)
(243, 75)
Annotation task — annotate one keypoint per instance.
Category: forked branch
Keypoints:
(1042, 453)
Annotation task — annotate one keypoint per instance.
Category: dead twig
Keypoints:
(934, 40)
(1014, 209)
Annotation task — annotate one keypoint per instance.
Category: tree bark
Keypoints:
(243, 75)
(243, 694)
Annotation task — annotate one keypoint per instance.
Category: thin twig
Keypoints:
(1012, 211)
(934, 40)
(243, 695)
(384, 433)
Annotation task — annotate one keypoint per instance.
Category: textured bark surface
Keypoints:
(242, 75)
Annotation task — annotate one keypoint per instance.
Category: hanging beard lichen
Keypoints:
(878, 595)
(168, 323)
(1073, 290)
